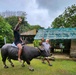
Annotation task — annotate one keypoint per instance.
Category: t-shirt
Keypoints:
(46, 46)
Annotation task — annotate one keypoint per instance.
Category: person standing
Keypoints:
(42, 40)
(46, 46)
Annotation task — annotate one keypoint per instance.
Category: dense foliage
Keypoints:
(25, 25)
(66, 19)
(7, 25)
(5, 31)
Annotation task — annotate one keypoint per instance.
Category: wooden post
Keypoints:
(4, 40)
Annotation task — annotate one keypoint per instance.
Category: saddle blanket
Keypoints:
(13, 44)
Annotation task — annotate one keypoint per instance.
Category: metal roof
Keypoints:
(56, 33)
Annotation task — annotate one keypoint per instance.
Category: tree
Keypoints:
(12, 13)
(37, 27)
(12, 20)
(5, 31)
(58, 22)
(25, 25)
(66, 19)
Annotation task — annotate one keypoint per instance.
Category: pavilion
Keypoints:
(68, 35)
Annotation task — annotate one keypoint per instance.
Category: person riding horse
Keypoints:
(17, 38)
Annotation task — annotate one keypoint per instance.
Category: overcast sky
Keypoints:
(39, 12)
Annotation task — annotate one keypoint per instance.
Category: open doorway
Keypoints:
(60, 46)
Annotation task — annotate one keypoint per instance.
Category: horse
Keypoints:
(28, 53)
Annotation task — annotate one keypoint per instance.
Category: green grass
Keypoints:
(60, 67)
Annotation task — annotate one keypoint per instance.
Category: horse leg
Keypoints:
(4, 61)
(23, 64)
(11, 62)
(29, 66)
(5, 66)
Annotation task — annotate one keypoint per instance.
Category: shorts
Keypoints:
(19, 42)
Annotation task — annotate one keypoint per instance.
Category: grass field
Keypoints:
(60, 67)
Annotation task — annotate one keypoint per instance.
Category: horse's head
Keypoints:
(42, 52)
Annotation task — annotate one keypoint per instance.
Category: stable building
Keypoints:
(29, 35)
(67, 36)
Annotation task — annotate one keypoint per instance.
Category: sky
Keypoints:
(39, 12)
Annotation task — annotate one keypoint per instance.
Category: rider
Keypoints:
(17, 38)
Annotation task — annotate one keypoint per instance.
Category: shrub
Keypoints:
(36, 43)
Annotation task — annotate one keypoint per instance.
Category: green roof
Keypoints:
(56, 33)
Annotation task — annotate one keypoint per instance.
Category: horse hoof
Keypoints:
(23, 65)
(12, 65)
(6, 67)
(31, 69)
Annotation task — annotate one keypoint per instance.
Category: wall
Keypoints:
(73, 48)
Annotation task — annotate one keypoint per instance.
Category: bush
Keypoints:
(5, 31)
(36, 43)
(1, 41)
